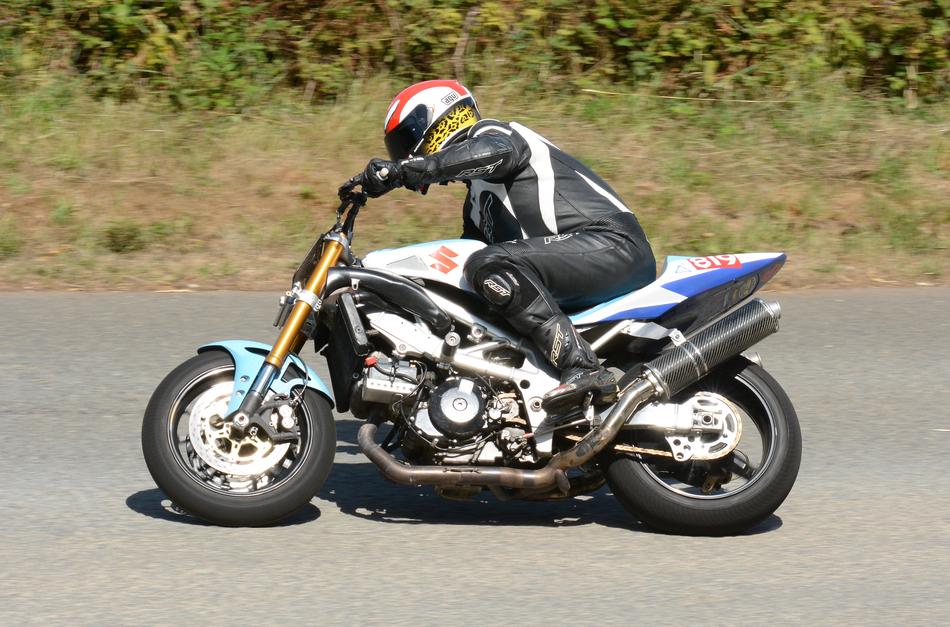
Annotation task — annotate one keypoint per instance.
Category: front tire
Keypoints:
(244, 483)
(646, 488)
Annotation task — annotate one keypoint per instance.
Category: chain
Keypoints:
(626, 448)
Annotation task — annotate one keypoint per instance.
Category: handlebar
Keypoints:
(356, 200)
(346, 190)
(360, 180)
(350, 203)
(353, 200)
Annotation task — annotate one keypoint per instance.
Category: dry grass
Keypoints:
(99, 195)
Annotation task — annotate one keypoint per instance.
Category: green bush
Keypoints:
(62, 213)
(11, 241)
(123, 237)
(215, 54)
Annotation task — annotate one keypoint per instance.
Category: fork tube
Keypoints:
(298, 343)
(288, 340)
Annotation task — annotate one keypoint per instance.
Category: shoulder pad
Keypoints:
(488, 124)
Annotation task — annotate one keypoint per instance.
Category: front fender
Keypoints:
(248, 357)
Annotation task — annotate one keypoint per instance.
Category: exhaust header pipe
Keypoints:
(674, 370)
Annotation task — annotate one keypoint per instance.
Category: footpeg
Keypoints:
(581, 390)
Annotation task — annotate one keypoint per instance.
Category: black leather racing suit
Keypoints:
(558, 235)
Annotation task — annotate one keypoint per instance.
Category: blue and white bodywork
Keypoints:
(682, 278)
(441, 261)
(248, 358)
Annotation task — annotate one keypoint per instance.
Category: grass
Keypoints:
(95, 194)
(10, 241)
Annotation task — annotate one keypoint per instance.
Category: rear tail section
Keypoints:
(690, 290)
(717, 288)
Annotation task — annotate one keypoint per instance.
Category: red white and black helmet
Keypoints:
(424, 118)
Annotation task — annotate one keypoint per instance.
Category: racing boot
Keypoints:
(583, 380)
(577, 384)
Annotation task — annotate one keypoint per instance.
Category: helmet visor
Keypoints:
(406, 136)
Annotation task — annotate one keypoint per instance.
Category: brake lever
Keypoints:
(346, 190)
(358, 200)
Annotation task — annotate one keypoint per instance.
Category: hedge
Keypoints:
(226, 54)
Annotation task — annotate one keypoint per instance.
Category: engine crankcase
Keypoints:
(457, 408)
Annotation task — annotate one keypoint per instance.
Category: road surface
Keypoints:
(864, 537)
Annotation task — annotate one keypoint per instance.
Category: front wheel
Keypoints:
(725, 496)
(227, 481)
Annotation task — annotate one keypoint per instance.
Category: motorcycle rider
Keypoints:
(558, 236)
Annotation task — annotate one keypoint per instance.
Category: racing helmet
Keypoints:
(424, 118)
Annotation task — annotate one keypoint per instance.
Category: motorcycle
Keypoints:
(701, 439)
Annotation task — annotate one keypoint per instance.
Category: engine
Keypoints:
(456, 410)
(453, 418)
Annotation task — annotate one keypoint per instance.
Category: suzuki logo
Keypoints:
(443, 260)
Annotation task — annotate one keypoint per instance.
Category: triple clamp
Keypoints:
(308, 297)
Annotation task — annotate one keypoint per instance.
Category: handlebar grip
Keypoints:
(347, 188)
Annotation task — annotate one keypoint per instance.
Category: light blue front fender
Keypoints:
(248, 357)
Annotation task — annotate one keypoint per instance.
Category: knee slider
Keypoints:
(497, 288)
(487, 260)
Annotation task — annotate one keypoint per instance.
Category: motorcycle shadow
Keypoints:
(358, 489)
(154, 504)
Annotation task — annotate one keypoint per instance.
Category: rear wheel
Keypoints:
(724, 496)
(226, 480)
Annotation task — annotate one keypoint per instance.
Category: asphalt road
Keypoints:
(864, 537)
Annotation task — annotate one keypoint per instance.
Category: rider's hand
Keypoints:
(380, 177)
(347, 188)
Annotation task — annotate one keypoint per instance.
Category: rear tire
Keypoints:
(293, 480)
(641, 490)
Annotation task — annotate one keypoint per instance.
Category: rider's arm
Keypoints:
(491, 154)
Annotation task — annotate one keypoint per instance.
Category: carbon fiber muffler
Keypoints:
(693, 358)
(674, 370)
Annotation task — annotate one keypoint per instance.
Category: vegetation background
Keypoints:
(184, 145)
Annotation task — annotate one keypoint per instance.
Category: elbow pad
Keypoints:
(482, 157)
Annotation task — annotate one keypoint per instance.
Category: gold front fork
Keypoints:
(290, 339)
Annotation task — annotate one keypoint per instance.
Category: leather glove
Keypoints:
(347, 188)
(381, 176)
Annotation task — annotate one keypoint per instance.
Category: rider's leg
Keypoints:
(515, 291)
(524, 280)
